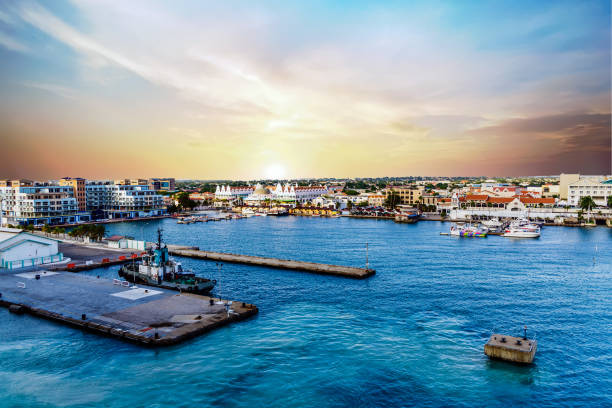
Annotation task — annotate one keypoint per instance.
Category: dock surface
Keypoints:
(145, 315)
(312, 267)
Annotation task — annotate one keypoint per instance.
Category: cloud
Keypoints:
(62, 91)
(574, 142)
(12, 44)
(402, 88)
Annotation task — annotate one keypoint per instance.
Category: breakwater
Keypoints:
(312, 267)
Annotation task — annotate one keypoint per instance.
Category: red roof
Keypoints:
(115, 238)
(500, 200)
(476, 197)
(531, 200)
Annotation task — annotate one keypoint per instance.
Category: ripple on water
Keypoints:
(410, 336)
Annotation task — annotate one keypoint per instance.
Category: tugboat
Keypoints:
(157, 269)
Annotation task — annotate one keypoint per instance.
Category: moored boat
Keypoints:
(516, 230)
(158, 269)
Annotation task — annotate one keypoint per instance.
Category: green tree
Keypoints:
(393, 200)
(609, 201)
(587, 202)
(349, 205)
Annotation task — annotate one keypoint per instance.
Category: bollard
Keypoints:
(83, 316)
(212, 302)
(243, 304)
(37, 277)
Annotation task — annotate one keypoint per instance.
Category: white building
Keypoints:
(228, 193)
(123, 201)
(292, 193)
(259, 195)
(25, 202)
(20, 249)
(599, 188)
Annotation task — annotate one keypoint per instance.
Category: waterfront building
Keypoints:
(112, 200)
(409, 195)
(550, 190)
(78, 190)
(599, 188)
(297, 194)
(429, 199)
(229, 193)
(259, 195)
(564, 182)
(376, 200)
(20, 249)
(162, 184)
(132, 182)
(24, 202)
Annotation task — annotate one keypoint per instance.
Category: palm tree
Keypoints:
(587, 202)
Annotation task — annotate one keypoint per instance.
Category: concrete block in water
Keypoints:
(509, 348)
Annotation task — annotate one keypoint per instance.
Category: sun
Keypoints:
(275, 171)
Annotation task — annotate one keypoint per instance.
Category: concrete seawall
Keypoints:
(145, 315)
(312, 267)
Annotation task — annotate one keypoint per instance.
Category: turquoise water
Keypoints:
(413, 335)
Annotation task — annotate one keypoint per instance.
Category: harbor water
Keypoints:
(412, 335)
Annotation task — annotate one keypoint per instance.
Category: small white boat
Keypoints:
(492, 223)
(522, 231)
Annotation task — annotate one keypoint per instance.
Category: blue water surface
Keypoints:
(412, 335)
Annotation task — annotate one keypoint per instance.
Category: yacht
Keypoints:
(468, 231)
(518, 230)
(493, 223)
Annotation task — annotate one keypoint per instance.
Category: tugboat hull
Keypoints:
(198, 286)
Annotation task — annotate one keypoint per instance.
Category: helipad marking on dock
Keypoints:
(136, 294)
(32, 275)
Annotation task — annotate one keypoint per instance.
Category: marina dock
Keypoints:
(144, 315)
(312, 267)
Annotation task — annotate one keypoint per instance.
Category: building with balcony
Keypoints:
(162, 184)
(599, 188)
(111, 200)
(409, 195)
(25, 202)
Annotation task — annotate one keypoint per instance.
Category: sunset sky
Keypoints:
(245, 89)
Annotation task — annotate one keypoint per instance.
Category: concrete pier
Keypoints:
(509, 348)
(144, 315)
(324, 269)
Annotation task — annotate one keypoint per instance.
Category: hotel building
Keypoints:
(26, 202)
(123, 200)
(598, 188)
(408, 195)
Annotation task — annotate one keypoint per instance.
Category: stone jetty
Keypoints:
(324, 269)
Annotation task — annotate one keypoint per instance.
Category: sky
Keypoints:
(285, 89)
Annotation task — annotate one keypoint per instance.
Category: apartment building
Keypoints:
(162, 184)
(78, 190)
(409, 195)
(24, 202)
(112, 200)
(598, 188)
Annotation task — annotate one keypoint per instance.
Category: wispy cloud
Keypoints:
(403, 88)
(12, 44)
(60, 90)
